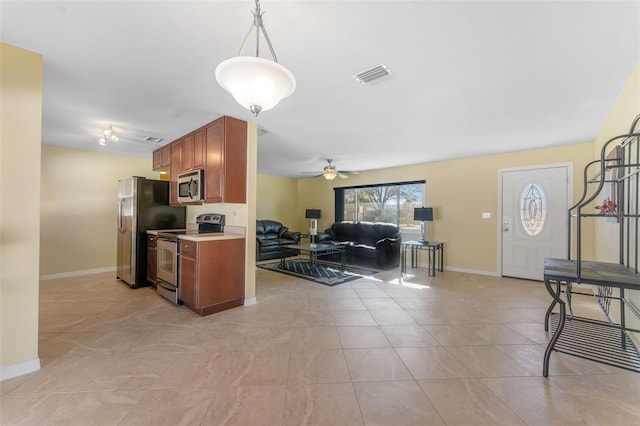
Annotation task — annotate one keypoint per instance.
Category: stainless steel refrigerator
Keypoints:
(142, 204)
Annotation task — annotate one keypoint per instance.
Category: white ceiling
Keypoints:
(470, 78)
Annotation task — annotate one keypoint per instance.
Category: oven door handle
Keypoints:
(167, 286)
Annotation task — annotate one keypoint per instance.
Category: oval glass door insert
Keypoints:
(533, 209)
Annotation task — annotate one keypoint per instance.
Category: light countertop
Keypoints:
(210, 237)
(231, 233)
(155, 231)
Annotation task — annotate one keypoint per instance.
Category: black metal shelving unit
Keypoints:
(607, 341)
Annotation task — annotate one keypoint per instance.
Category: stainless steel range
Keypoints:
(167, 251)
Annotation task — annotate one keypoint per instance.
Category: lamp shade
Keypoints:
(312, 214)
(257, 84)
(423, 214)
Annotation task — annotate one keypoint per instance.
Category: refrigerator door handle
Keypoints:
(120, 203)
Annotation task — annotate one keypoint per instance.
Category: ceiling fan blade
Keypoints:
(342, 175)
(350, 172)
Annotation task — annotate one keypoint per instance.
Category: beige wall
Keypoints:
(315, 193)
(252, 188)
(277, 200)
(459, 191)
(79, 209)
(20, 123)
(285, 200)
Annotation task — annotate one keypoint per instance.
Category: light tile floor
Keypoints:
(455, 349)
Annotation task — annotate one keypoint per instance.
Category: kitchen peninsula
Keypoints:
(210, 269)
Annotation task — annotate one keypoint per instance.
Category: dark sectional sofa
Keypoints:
(367, 243)
(270, 235)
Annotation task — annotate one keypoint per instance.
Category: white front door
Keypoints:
(534, 219)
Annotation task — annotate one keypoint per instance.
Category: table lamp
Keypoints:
(423, 214)
(313, 215)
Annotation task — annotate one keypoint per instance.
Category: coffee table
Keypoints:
(315, 251)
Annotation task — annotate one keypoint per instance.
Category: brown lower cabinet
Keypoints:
(211, 275)
(152, 260)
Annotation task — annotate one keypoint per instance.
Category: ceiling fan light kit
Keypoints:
(330, 173)
(256, 83)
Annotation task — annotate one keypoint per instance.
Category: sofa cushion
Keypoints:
(368, 233)
(377, 243)
(269, 230)
(371, 233)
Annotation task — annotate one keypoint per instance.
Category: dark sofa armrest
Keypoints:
(283, 230)
(389, 242)
(329, 231)
(388, 251)
(291, 235)
(323, 236)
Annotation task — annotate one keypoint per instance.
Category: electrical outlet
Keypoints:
(486, 215)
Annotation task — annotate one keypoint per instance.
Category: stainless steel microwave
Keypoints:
(191, 186)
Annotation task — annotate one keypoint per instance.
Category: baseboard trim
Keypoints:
(77, 273)
(15, 370)
(472, 271)
(250, 301)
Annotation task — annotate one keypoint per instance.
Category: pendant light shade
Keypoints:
(257, 84)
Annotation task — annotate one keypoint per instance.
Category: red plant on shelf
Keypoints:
(608, 207)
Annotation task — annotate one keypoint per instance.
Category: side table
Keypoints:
(434, 252)
(309, 237)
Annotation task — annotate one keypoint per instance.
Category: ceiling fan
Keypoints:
(330, 172)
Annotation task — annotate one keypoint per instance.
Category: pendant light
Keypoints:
(256, 83)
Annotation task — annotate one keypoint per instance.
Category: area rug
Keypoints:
(326, 273)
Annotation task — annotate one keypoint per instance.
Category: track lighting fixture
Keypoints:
(108, 135)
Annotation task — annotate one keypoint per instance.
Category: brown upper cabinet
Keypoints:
(220, 149)
(175, 170)
(198, 149)
(187, 153)
(226, 161)
(162, 158)
(157, 159)
(193, 151)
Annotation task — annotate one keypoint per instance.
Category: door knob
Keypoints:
(505, 229)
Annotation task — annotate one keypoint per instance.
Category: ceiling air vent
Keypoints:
(373, 74)
(152, 139)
